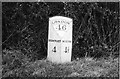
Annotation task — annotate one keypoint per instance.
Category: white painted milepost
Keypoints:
(60, 39)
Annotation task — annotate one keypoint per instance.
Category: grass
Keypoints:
(83, 67)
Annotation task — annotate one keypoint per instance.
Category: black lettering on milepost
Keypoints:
(51, 40)
(66, 41)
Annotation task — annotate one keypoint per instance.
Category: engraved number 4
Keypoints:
(54, 49)
(66, 49)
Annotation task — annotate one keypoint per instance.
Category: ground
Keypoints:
(83, 67)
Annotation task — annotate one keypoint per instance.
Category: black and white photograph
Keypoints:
(60, 39)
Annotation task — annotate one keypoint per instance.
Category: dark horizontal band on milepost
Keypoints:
(66, 41)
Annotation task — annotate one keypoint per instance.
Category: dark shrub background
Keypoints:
(95, 27)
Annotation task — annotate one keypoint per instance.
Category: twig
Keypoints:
(113, 47)
(7, 38)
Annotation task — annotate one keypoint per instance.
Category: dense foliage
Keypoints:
(25, 36)
(95, 27)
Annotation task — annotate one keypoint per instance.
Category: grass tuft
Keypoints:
(84, 67)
